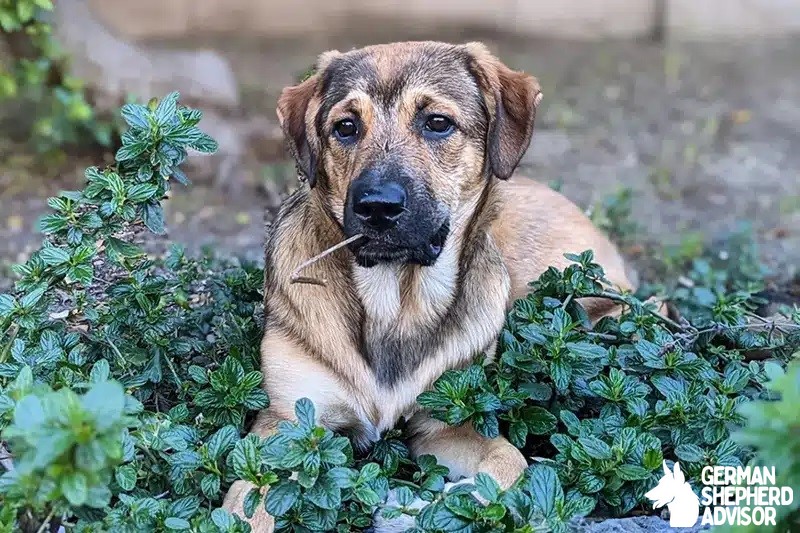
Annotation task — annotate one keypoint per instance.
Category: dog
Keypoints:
(411, 146)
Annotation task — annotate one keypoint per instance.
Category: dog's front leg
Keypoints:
(261, 522)
(464, 451)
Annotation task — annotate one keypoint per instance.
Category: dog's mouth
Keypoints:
(371, 251)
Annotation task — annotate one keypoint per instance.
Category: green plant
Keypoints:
(38, 76)
(127, 381)
(613, 215)
(772, 430)
(608, 403)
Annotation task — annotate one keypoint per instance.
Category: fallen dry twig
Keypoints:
(297, 278)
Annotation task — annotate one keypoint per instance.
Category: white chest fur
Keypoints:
(401, 298)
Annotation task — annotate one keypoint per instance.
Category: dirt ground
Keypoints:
(706, 135)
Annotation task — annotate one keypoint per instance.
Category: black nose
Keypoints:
(379, 206)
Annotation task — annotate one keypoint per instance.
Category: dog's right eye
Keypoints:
(345, 130)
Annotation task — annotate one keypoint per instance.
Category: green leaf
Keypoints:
(366, 495)
(540, 421)
(222, 519)
(136, 115)
(561, 373)
(167, 109)
(325, 493)
(344, 478)
(53, 256)
(282, 497)
(590, 483)
(632, 472)
(653, 459)
(369, 472)
(561, 320)
(596, 448)
(74, 488)
(179, 524)
(404, 496)
(118, 248)
(141, 192)
(126, 477)
(304, 411)
(518, 433)
(571, 422)
(131, 151)
(210, 486)
(690, 453)
(100, 371)
(153, 218)
(246, 460)
(578, 506)
(32, 297)
(587, 349)
(545, 488)
(222, 441)
(204, 144)
(540, 392)
(105, 401)
(487, 487)
(7, 305)
(251, 502)
(198, 374)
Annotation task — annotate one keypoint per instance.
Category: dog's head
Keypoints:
(395, 138)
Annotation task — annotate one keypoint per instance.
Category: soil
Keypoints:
(706, 135)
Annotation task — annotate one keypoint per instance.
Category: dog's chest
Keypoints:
(402, 297)
(403, 308)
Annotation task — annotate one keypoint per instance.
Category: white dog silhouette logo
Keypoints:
(674, 492)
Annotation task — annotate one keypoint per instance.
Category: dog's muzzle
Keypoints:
(400, 224)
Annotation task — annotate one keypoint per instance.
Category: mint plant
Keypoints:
(128, 381)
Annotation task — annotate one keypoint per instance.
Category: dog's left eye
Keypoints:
(438, 125)
(345, 129)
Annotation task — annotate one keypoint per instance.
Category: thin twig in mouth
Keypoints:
(297, 278)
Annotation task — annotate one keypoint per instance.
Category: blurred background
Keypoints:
(676, 120)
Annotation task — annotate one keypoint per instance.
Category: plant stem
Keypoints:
(621, 299)
(14, 329)
(297, 278)
(46, 522)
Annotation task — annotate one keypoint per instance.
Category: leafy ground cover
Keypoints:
(127, 381)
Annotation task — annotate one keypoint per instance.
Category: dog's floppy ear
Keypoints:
(292, 108)
(512, 98)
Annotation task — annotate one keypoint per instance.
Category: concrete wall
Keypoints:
(577, 19)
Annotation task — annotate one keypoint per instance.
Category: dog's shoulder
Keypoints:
(537, 225)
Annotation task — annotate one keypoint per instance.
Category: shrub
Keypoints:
(127, 382)
(771, 430)
(38, 75)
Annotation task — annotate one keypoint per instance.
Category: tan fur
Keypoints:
(503, 235)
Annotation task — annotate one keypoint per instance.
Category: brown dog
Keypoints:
(410, 145)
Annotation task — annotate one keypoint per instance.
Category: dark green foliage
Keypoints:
(616, 399)
(127, 382)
